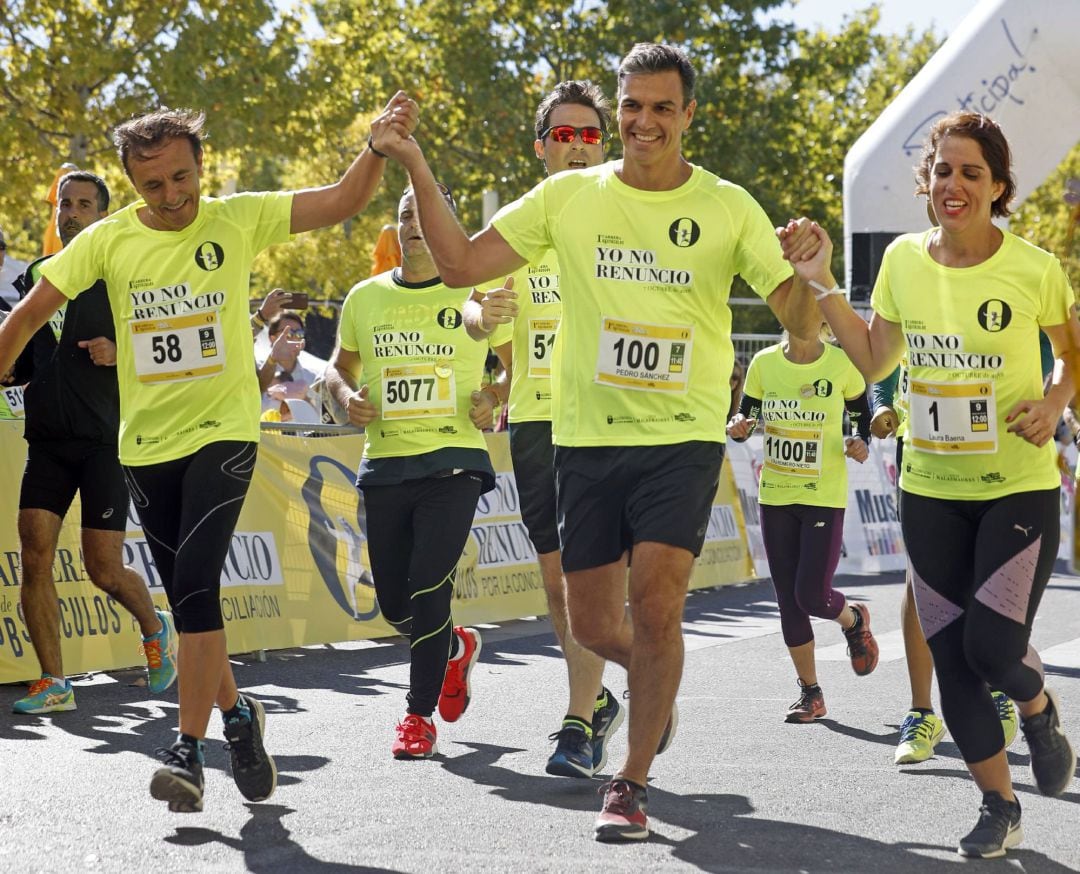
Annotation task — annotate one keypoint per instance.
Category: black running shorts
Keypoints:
(611, 497)
(533, 455)
(57, 469)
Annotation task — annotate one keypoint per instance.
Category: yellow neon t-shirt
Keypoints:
(644, 352)
(802, 418)
(180, 303)
(972, 348)
(534, 330)
(419, 364)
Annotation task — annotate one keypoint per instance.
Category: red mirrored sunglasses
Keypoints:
(565, 133)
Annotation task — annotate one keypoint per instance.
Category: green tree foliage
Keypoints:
(1045, 218)
(71, 71)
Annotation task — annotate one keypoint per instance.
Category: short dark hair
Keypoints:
(995, 151)
(575, 91)
(87, 176)
(647, 57)
(276, 325)
(145, 133)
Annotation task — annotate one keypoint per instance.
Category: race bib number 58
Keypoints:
(644, 357)
(179, 348)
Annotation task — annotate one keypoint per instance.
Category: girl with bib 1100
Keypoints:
(799, 389)
(405, 370)
(964, 301)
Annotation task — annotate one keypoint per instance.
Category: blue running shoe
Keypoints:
(160, 650)
(573, 756)
(607, 717)
(47, 695)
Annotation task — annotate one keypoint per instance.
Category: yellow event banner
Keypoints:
(298, 572)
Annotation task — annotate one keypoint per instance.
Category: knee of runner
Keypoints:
(198, 611)
(988, 658)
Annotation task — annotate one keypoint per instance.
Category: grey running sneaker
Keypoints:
(253, 768)
(622, 817)
(180, 781)
(998, 829)
(607, 717)
(1053, 760)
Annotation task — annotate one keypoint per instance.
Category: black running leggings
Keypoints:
(416, 533)
(979, 569)
(188, 509)
(802, 544)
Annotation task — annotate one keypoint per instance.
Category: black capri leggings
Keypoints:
(188, 509)
(979, 569)
(416, 533)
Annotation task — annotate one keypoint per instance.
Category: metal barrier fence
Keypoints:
(747, 345)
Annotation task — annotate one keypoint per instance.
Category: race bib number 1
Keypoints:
(178, 349)
(644, 357)
(952, 418)
(418, 391)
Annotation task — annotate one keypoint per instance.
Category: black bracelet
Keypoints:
(373, 150)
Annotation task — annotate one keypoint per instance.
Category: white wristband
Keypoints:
(821, 291)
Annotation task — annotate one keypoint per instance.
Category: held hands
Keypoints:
(807, 246)
(361, 411)
(102, 351)
(481, 412)
(739, 427)
(499, 306)
(884, 423)
(1035, 421)
(391, 131)
(854, 447)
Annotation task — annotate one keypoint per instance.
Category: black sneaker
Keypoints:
(573, 756)
(606, 721)
(180, 782)
(252, 767)
(998, 829)
(1053, 760)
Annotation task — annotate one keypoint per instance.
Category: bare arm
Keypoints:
(462, 261)
(1036, 420)
(341, 379)
(321, 207)
(25, 319)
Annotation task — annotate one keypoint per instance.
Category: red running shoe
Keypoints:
(861, 646)
(622, 817)
(456, 691)
(810, 706)
(415, 738)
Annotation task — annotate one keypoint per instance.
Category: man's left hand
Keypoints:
(102, 351)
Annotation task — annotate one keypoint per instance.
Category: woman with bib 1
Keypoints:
(799, 389)
(964, 301)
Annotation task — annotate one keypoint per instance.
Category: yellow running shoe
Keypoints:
(1010, 722)
(919, 734)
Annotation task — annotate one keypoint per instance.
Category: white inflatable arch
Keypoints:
(1017, 61)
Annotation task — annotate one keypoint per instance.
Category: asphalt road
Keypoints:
(739, 790)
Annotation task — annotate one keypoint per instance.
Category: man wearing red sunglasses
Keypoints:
(648, 246)
(571, 124)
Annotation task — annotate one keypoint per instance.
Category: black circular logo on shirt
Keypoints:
(449, 318)
(209, 256)
(995, 315)
(823, 388)
(684, 232)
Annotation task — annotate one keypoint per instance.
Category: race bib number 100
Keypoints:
(418, 391)
(178, 349)
(644, 357)
(952, 418)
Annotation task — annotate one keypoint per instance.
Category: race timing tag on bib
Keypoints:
(952, 418)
